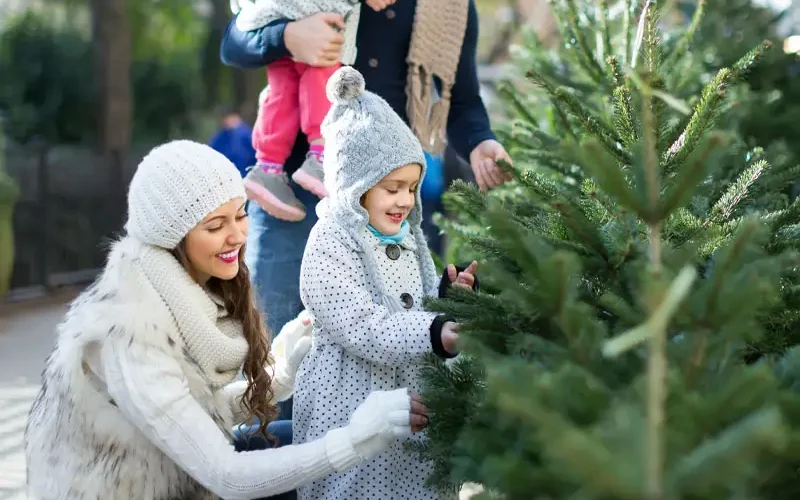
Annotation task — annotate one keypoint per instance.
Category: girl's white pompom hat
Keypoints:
(365, 140)
(175, 187)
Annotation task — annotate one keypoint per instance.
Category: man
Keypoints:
(234, 140)
(386, 44)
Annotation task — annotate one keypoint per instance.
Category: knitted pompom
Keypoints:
(345, 84)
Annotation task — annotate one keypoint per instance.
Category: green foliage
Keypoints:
(48, 89)
(9, 192)
(763, 111)
(634, 334)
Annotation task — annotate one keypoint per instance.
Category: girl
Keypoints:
(137, 400)
(365, 271)
(295, 101)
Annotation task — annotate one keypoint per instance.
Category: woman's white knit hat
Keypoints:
(175, 187)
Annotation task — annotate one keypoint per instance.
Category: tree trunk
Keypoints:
(111, 42)
(213, 69)
(248, 85)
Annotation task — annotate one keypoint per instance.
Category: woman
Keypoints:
(138, 399)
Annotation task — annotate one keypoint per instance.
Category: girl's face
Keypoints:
(390, 201)
(212, 247)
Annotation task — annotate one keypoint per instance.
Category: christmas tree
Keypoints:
(632, 338)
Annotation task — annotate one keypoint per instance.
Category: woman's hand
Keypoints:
(419, 414)
(316, 40)
(464, 279)
(292, 344)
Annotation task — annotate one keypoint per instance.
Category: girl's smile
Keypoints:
(389, 202)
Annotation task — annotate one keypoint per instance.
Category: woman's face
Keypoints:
(213, 246)
(389, 202)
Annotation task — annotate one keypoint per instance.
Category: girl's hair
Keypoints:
(237, 295)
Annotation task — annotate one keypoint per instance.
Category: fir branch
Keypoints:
(776, 181)
(724, 207)
(626, 29)
(616, 72)
(623, 116)
(604, 33)
(705, 112)
(531, 130)
(707, 109)
(732, 448)
(563, 118)
(610, 176)
(581, 228)
(652, 41)
(509, 94)
(682, 47)
(593, 124)
(673, 136)
(686, 180)
(465, 199)
(584, 52)
(742, 67)
(641, 27)
(728, 261)
(782, 218)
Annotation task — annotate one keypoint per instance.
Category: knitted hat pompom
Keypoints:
(344, 85)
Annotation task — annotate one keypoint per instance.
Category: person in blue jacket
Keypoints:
(275, 247)
(234, 140)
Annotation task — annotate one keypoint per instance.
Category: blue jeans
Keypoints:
(245, 440)
(273, 255)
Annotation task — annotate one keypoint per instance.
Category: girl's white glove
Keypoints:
(377, 422)
(291, 346)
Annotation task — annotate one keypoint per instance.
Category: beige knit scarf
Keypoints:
(436, 41)
(213, 340)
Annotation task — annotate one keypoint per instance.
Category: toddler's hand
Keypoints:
(379, 5)
(450, 337)
(464, 279)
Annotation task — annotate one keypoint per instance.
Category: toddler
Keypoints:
(295, 100)
(364, 274)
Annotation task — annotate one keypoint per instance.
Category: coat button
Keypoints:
(373, 63)
(390, 13)
(407, 300)
(393, 251)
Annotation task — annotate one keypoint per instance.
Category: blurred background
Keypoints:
(88, 86)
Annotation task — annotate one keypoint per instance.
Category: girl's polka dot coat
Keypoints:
(367, 336)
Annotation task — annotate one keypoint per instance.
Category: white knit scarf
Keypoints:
(213, 340)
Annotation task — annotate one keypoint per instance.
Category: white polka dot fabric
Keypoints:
(362, 342)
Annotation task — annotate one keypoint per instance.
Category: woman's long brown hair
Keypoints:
(237, 295)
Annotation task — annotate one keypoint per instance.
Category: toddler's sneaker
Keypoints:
(310, 176)
(270, 189)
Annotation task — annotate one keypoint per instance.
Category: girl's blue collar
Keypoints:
(391, 239)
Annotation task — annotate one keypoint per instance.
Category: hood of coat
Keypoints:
(365, 140)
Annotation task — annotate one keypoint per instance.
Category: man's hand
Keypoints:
(315, 40)
(379, 5)
(483, 161)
